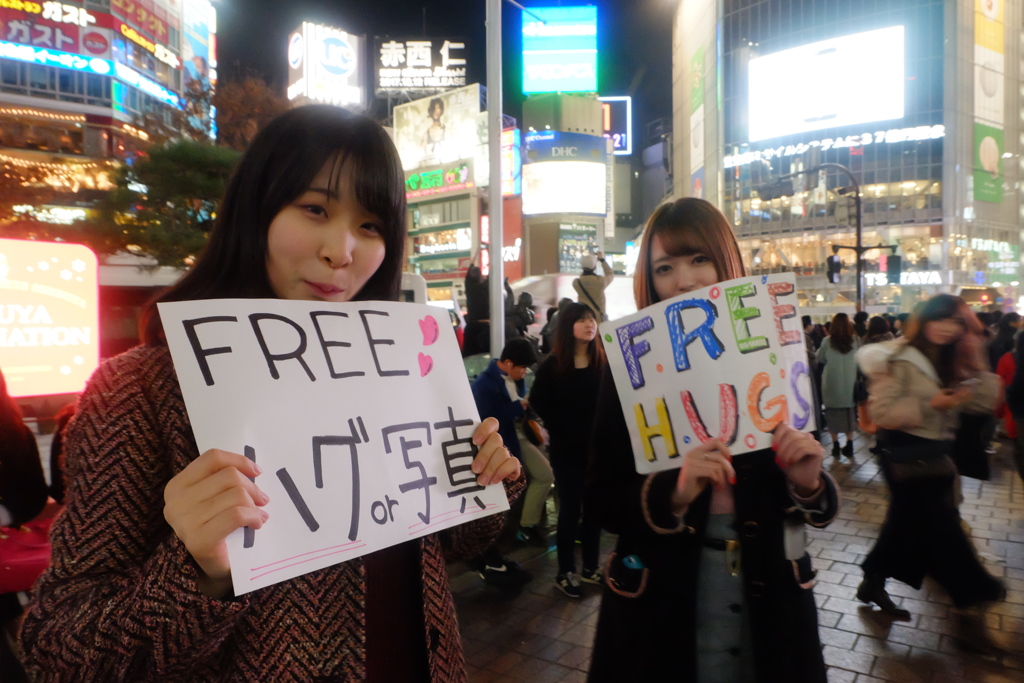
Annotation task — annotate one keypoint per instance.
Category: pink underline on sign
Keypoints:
(311, 552)
(311, 559)
(461, 514)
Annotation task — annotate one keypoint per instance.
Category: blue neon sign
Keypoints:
(146, 85)
(62, 60)
(560, 52)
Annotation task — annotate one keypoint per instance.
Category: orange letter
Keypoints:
(761, 382)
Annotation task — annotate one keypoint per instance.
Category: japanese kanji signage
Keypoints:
(56, 26)
(142, 15)
(359, 414)
(725, 362)
(420, 64)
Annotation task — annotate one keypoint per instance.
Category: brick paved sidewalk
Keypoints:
(541, 635)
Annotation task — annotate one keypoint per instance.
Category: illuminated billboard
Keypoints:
(565, 173)
(325, 64)
(560, 49)
(511, 162)
(49, 316)
(420, 64)
(808, 88)
(617, 122)
(439, 130)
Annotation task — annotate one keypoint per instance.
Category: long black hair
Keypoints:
(278, 167)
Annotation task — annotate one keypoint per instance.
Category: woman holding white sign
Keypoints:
(709, 580)
(139, 588)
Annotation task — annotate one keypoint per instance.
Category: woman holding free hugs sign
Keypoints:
(139, 586)
(709, 580)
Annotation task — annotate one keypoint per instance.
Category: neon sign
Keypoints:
(438, 181)
(159, 51)
(893, 135)
(146, 85)
(63, 60)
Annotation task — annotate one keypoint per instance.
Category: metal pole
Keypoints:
(494, 108)
(860, 244)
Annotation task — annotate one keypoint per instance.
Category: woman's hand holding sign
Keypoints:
(493, 462)
(208, 500)
(708, 462)
(799, 455)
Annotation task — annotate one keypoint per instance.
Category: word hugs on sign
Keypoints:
(726, 362)
(359, 414)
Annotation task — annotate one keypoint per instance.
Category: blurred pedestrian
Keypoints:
(22, 497)
(564, 394)
(139, 587)
(878, 331)
(689, 596)
(499, 392)
(838, 376)
(1002, 342)
(918, 387)
(900, 324)
(860, 324)
(590, 286)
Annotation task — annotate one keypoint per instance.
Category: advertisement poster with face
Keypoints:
(989, 105)
(196, 44)
(440, 129)
(726, 362)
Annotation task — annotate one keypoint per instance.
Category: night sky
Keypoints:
(634, 41)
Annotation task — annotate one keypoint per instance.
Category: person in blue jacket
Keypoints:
(499, 392)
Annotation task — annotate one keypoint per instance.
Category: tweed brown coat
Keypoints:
(120, 601)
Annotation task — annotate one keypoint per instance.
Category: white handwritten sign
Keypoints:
(360, 415)
(725, 362)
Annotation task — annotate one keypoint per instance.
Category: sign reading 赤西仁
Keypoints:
(725, 362)
(359, 415)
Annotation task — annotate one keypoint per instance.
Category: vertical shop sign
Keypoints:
(989, 100)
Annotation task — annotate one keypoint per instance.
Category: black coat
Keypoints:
(22, 484)
(652, 636)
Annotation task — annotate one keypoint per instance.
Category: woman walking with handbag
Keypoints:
(918, 386)
(564, 394)
(838, 379)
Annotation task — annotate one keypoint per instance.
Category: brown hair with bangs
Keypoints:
(686, 226)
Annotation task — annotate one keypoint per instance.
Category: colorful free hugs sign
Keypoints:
(360, 415)
(725, 362)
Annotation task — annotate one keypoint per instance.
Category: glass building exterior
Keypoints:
(919, 99)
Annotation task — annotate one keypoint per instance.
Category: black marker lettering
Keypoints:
(424, 482)
(272, 359)
(318, 470)
(300, 504)
(374, 343)
(249, 534)
(325, 344)
(197, 348)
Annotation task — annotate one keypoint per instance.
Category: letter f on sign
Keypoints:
(631, 352)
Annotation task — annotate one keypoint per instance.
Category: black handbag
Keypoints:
(860, 389)
(970, 454)
(906, 457)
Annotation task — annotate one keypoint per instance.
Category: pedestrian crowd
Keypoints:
(709, 579)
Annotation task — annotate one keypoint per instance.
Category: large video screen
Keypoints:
(842, 81)
(560, 49)
(564, 187)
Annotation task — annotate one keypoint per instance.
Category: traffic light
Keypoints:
(894, 268)
(835, 267)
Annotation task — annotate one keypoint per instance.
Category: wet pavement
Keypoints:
(541, 635)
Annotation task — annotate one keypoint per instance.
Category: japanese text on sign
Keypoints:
(726, 362)
(358, 413)
(418, 64)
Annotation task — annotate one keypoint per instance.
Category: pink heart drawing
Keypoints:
(426, 364)
(428, 326)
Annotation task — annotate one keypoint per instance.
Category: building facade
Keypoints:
(916, 103)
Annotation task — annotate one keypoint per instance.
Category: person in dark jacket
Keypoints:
(681, 605)
(499, 392)
(1003, 341)
(564, 394)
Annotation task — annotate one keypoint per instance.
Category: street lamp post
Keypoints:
(860, 248)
